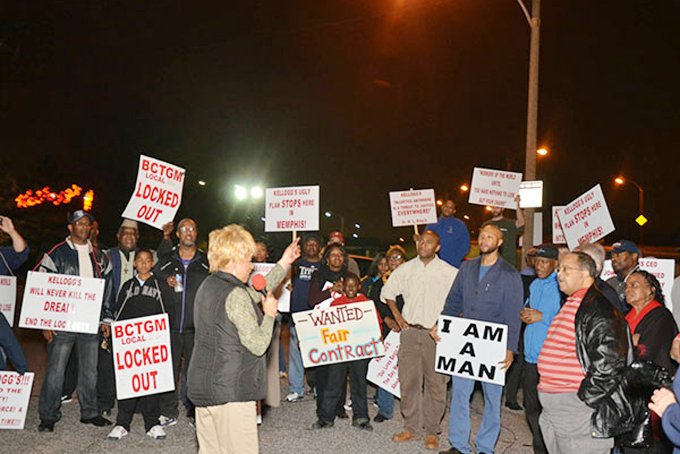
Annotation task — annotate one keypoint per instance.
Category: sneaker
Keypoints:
(192, 422)
(513, 406)
(294, 397)
(46, 426)
(348, 405)
(67, 398)
(380, 418)
(166, 422)
(97, 421)
(106, 413)
(322, 424)
(363, 425)
(157, 432)
(259, 420)
(117, 433)
(283, 374)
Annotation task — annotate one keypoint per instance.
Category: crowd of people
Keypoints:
(595, 359)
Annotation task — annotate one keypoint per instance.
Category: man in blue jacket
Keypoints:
(453, 235)
(540, 309)
(487, 288)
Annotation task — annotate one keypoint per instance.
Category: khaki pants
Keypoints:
(423, 409)
(229, 428)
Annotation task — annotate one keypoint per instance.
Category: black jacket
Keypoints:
(63, 259)
(180, 305)
(604, 349)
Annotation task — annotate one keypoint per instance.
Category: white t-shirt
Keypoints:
(84, 262)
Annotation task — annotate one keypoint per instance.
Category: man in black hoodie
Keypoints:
(182, 272)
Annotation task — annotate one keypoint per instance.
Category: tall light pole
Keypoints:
(534, 20)
(641, 205)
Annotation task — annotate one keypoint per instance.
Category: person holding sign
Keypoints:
(581, 366)
(140, 297)
(337, 373)
(487, 288)
(76, 257)
(511, 230)
(423, 282)
(455, 239)
(12, 257)
(227, 374)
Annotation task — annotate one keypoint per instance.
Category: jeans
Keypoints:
(459, 422)
(296, 373)
(385, 403)
(58, 352)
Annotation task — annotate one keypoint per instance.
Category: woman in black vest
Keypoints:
(227, 370)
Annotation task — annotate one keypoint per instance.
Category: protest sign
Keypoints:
(531, 194)
(586, 219)
(413, 207)
(338, 334)
(471, 349)
(496, 188)
(282, 293)
(61, 302)
(8, 297)
(158, 192)
(663, 269)
(557, 232)
(141, 356)
(293, 208)
(15, 392)
(383, 371)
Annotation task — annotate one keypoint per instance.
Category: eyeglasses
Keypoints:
(185, 228)
(394, 257)
(564, 269)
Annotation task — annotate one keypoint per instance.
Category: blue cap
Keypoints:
(79, 214)
(625, 246)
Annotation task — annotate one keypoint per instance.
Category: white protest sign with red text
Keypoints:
(557, 232)
(61, 302)
(383, 371)
(8, 297)
(413, 207)
(663, 269)
(158, 192)
(586, 219)
(142, 358)
(496, 188)
(338, 334)
(15, 392)
(294, 208)
(282, 293)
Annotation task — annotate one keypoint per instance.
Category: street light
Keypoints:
(641, 202)
(542, 151)
(240, 192)
(464, 188)
(329, 214)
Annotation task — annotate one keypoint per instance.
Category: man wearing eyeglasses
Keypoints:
(183, 270)
(581, 366)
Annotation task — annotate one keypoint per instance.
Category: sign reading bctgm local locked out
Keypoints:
(60, 302)
(293, 208)
(158, 192)
(471, 349)
(339, 334)
(413, 207)
(142, 358)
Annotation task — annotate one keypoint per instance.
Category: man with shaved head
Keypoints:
(183, 270)
(487, 288)
(423, 282)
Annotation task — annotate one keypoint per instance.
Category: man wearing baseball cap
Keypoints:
(540, 309)
(75, 256)
(625, 256)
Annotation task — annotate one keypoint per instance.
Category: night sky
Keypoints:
(360, 97)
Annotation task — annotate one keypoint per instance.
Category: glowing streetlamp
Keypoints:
(542, 151)
(641, 204)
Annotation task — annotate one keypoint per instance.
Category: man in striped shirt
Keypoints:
(581, 360)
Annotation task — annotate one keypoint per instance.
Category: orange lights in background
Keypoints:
(32, 198)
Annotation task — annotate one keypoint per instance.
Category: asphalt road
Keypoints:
(285, 429)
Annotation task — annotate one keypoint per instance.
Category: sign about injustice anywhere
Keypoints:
(586, 219)
(8, 297)
(471, 349)
(158, 192)
(15, 392)
(293, 208)
(141, 356)
(413, 207)
(61, 302)
(338, 334)
(496, 188)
